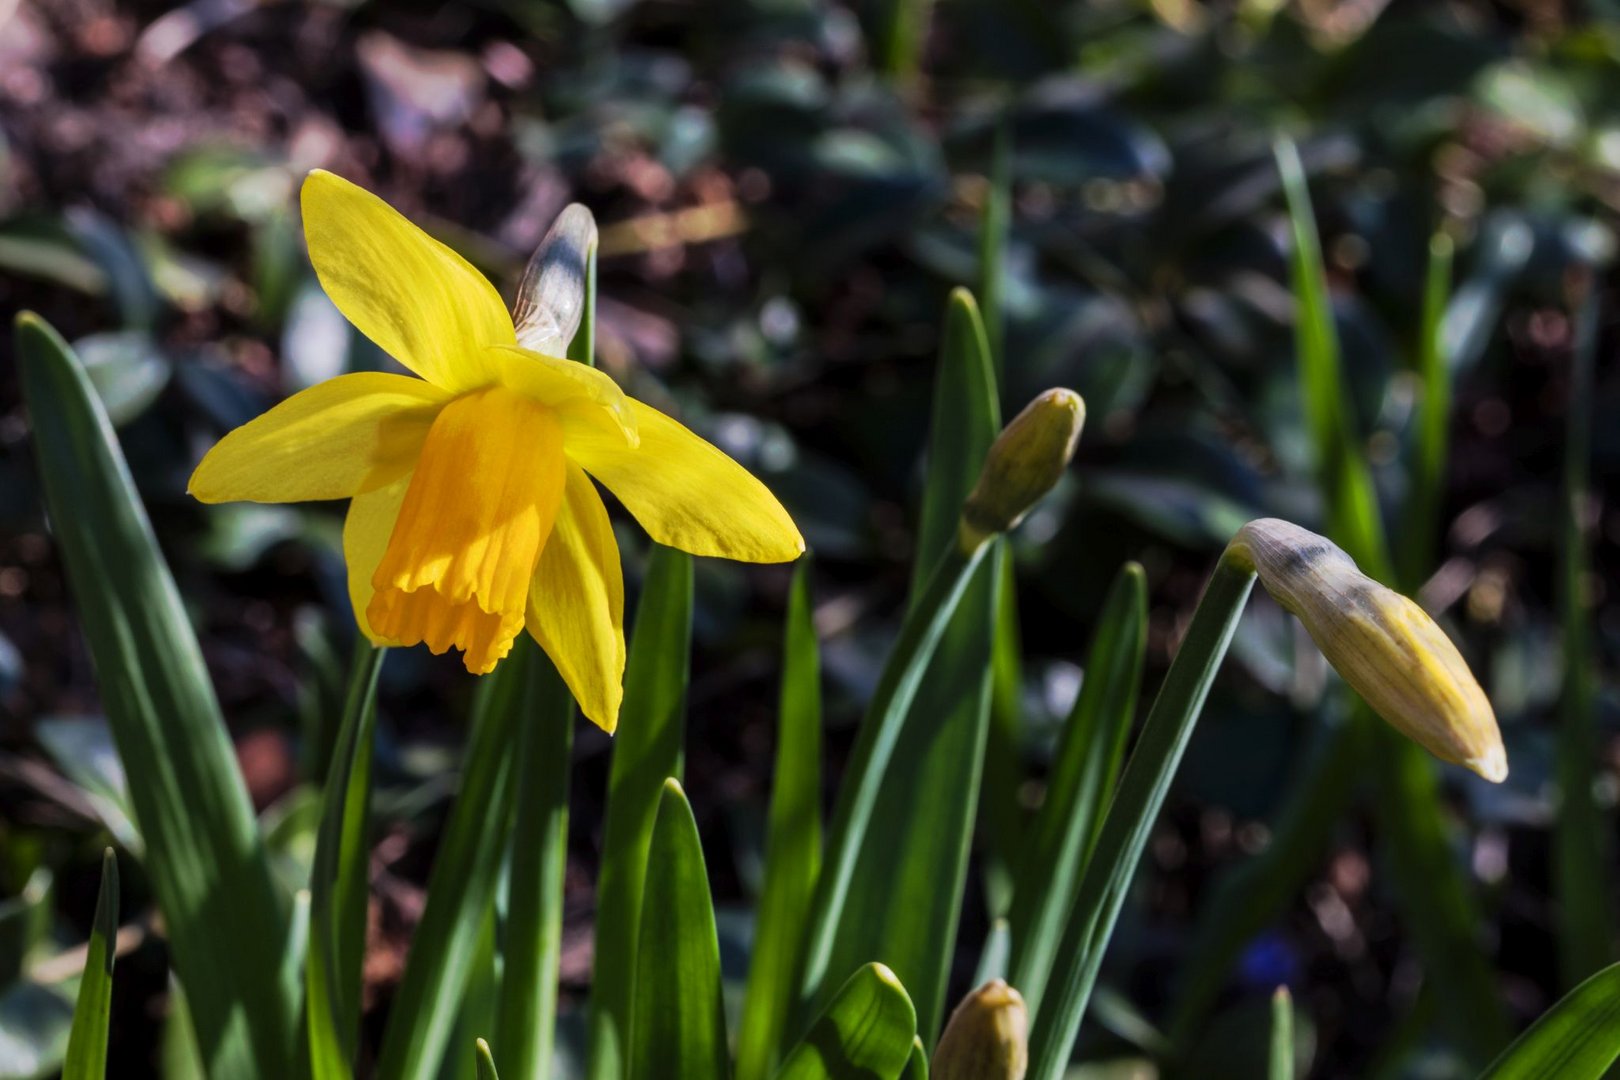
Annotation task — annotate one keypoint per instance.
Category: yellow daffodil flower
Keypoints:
(473, 511)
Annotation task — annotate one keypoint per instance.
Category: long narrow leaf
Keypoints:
(191, 806)
(486, 1061)
(178, 1056)
(87, 1041)
(339, 881)
(461, 886)
(964, 422)
(1577, 1039)
(1282, 1036)
(874, 750)
(917, 1064)
(792, 844)
(1003, 816)
(905, 897)
(1354, 519)
(479, 1003)
(1422, 518)
(1581, 860)
(646, 752)
(869, 1029)
(904, 36)
(1433, 892)
(1083, 775)
(1131, 818)
(679, 1022)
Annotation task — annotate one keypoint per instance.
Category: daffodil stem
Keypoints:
(919, 636)
(461, 886)
(1130, 820)
(527, 1014)
(539, 859)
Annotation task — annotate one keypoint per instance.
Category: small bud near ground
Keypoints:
(1025, 462)
(1384, 645)
(987, 1037)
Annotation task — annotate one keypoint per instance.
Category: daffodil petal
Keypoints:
(423, 304)
(338, 438)
(689, 495)
(366, 530)
(576, 602)
(586, 401)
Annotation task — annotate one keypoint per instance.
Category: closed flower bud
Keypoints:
(551, 298)
(1024, 463)
(1384, 645)
(987, 1038)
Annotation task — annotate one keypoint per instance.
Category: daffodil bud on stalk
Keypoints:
(551, 298)
(1385, 646)
(1025, 462)
(987, 1037)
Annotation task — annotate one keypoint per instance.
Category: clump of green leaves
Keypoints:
(855, 934)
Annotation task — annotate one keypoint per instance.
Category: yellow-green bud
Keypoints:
(1024, 463)
(1384, 645)
(987, 1038)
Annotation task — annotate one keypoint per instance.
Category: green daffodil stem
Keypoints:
(559, 293)
(538, 863)
(1382, 644)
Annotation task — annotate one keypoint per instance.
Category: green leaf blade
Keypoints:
(532, 946)
(646, 752)
(1577, 1039)
(1434, 892)
(1426, 484)
(1131, 817)
(869, 1029)
(87, 1040)
(792, 845)
(1281, 1064)
(679, 1024)
(191, 805)
(897, 689)
(340, 882)
(910, 870)
(917, 1063)
(1082, 781)
(1354, 519)
(1582, 853)
(486, 1061)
